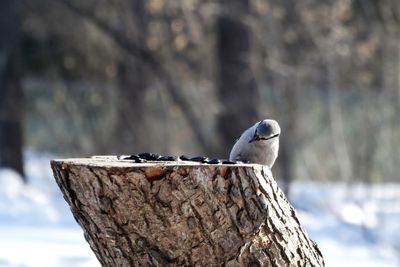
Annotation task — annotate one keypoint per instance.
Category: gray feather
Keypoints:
(258, 145)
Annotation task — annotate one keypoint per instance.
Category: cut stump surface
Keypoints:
(183, 214)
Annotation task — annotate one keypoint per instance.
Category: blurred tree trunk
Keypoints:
(237, 89)
(131, 106)
(11, 97)
(289, 95)
(132, 79)
(288, 139)
(291, 39)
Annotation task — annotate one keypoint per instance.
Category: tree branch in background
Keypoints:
(148, 58)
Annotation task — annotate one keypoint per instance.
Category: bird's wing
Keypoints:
(242, 142)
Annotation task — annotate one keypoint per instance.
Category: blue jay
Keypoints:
(258, 144)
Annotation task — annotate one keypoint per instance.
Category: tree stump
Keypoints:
(183, 214)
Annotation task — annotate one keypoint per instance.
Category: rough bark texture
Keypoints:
(180, 214)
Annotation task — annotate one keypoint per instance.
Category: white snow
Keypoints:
(37, 228)
(355, 225)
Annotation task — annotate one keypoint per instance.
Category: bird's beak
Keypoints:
(256, 137)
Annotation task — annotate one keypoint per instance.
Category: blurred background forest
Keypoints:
(187, 77)
(82, 78)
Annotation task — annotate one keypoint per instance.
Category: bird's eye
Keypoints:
(264, 129)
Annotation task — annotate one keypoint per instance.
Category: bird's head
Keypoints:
(265, 130)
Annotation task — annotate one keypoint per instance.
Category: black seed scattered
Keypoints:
(144, 157)
(183, 157)
(167, 158)
(149, 156)
(214, 161)
(200, 159)
(228, 162)
(129, 157)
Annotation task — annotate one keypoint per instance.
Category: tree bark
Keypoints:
(11, 96)
(183, 214)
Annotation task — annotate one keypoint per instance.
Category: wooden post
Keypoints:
(183, 214)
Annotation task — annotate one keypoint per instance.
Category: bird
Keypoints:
(258, 144)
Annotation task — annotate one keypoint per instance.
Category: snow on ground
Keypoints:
(37, 228)
(353, 226)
